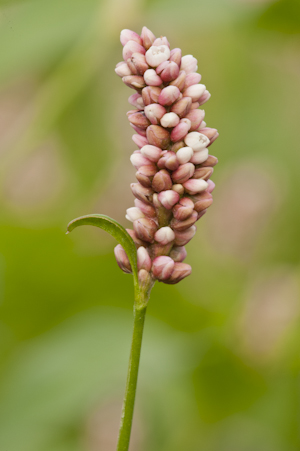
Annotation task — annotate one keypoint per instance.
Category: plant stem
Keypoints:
(140, 308)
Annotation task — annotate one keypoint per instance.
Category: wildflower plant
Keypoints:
(173, 188)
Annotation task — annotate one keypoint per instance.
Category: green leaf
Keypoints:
(114, 229)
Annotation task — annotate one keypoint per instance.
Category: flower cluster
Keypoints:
(173, 164)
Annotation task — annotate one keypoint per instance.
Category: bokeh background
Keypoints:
(220, 363)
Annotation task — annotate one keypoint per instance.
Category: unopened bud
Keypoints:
(137, 64)
(143, 259)
(151, 78)
(145, 175)
(153, 153)
(161, 41)
(202, 201)
(194, 186)
(140, 131)
(136, 100)
(138, 160)
(155, 112)
(147, 209)
(211, 161)
(162, 181)
(129, 35)
(211, 186)
(122, 259)
(195, 105)
(168, 95)
(194, 92)
(183, 209)
(168, 198)
(145, 229)
(164, 235)
(199, 157)
(203, 173)
(139, 120)
(132, 47)
(178, 188)
(197, 141)
(178, 253)
(168, 161)
(189, 64)
(134, 81)
(213, 139)
(182, 238)
(175, 56)
(182, 106)
(180, 226)
(150, 94)
(158, 136)
(209, 132)
(183, 173)
(141, 192)
(122, 69)
(162, 267)
(196, 117)
(180, 271)
(134, 213)
(179, 81)
(204, 98)
(147, 37)
(157, 54)
(184, 154)
(181, 130)
(192, 79)
(201, 126)
(144, 279)
(136, 240)
(139, 140)
(168, 71)
(169, 120)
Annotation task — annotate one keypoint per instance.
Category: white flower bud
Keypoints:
(122, 70)
(164, 235)
(134, 213)
(194, 92)
(189, 64)
(197, 141)
(157, 55)
(199, 157)
(169, 120)
(151, 78)
(184, 154)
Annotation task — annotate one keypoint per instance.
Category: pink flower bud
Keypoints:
(169, 120)
(188, 64)
(145, 175)
(197, 141)
(183, 173)
(162, 267)
(137, 63)
(144, 279)
(184, 154)
(158, 136)
(150, 94)
(196, 117)
(155, 112)
(162, 181)
(195, 105)
(143, 259)
(168, 95)
(199, 157)
(209, 132)
(151, 78)
(139, 120)
(153, 153)
(192, 79)
(204, 98)
(211, 161)
(183, 209)
(168, 71)
(182, 106)
(134, 213)
(201, 126)
(180, 271)
(203, 173)
(134, 81)
(176, 224)
(211, 186)
(202, 201)
(147, 209)
(168, 161)
(178, 188)
(138, 160)
(140, 131)
(181, 130)
(122, 259)
(129, 35)
(132, 47)
(145, 229)
(122, 69)
(194, 186)
(175, 56)
(164, 235)
(178, 253)
(179, 81)
(161, 41)
(147, 37)
(182, 238)
(157, 54)
(168, 198)
(194, 92)
(213, 139)
(139, 140)
(136, 240)
(136, 100)
(142, 193)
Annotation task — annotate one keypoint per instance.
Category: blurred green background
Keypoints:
(220, 363)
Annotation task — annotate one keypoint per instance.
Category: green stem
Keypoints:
(133, 368)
